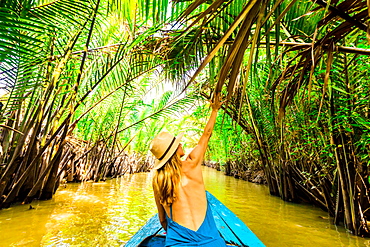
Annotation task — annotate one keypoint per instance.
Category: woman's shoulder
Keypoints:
(191, 170)
(188, 163)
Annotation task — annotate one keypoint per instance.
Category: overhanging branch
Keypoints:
(345, 49)
(342, 14)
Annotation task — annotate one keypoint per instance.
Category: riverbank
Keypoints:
(77, 161)
(249, 173)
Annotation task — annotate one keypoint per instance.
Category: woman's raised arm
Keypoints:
(197, 154)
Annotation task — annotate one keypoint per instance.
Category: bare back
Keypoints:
(189, 210)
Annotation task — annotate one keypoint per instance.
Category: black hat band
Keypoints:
(168, 149)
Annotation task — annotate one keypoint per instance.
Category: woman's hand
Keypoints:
(217, 102)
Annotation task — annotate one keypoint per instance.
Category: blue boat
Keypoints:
(230, 227)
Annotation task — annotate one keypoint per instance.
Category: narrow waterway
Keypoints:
(109, 213)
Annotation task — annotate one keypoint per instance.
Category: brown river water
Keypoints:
(109, 213)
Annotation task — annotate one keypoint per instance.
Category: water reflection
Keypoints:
(109, 213)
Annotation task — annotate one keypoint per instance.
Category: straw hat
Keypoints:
(163, 146)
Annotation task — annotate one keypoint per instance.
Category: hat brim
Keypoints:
(159, 163)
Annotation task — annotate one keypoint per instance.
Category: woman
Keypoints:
(179, 189)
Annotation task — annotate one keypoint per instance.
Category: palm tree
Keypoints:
(59, 60)
(298, 39)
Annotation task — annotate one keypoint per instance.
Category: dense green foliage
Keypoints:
(295, 74)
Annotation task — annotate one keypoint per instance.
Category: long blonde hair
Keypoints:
(166, 180)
